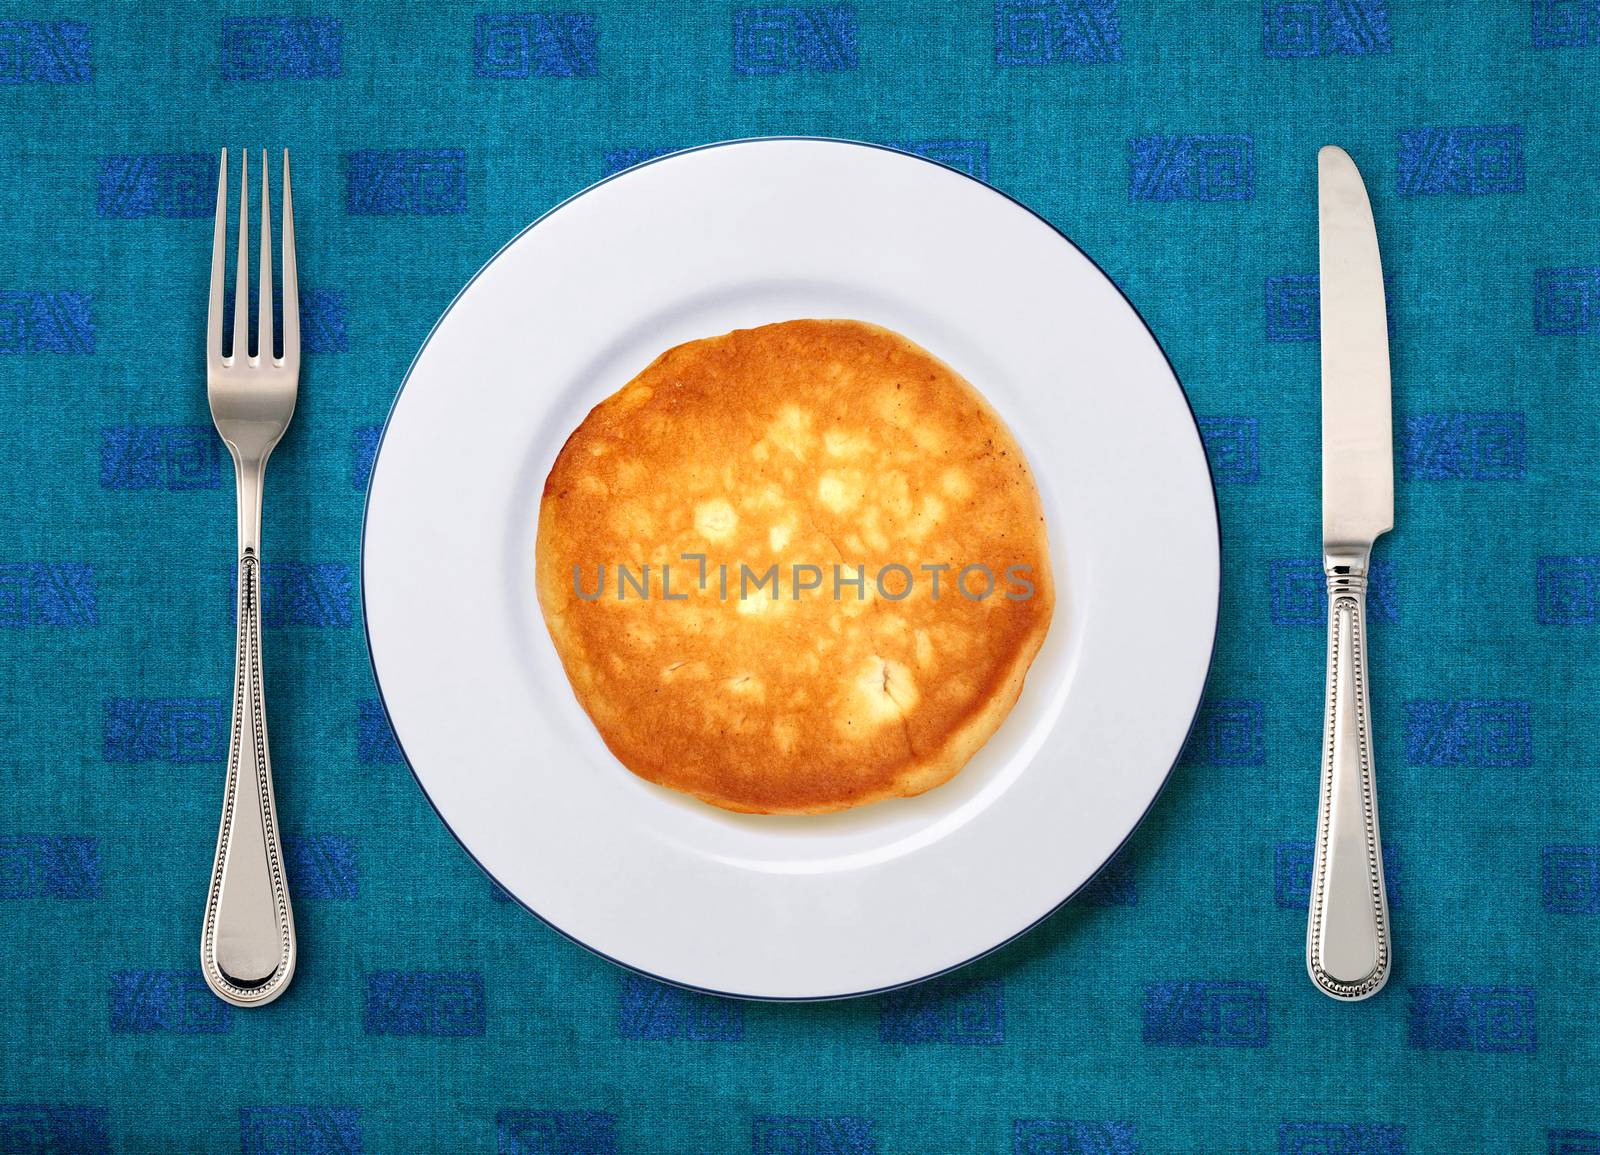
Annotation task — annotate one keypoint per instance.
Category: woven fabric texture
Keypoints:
(1165, 1010)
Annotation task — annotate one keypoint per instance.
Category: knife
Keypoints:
(1348, 948)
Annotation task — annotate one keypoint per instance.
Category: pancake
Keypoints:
(791, 460)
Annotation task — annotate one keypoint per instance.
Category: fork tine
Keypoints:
(241, 277)
(264, 298)
(219, 260)
(291, 287)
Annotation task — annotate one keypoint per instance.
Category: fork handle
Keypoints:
(1347, 935)
(247, 947)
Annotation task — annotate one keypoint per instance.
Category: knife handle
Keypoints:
(1348, 950)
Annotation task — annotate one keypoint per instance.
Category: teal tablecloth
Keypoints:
(1165, 1011)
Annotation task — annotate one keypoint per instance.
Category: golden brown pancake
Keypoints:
(811, 444)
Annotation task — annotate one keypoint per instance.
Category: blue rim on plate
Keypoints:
(378, 681)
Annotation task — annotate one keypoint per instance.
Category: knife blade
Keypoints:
(1357, 427)
(1348, 948)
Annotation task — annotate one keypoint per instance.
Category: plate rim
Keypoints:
(366, 626)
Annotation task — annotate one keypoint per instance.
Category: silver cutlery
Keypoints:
(1348, 947)
(247, 945)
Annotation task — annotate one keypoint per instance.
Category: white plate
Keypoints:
(693, 245)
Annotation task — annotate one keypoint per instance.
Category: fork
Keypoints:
(247, 945)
